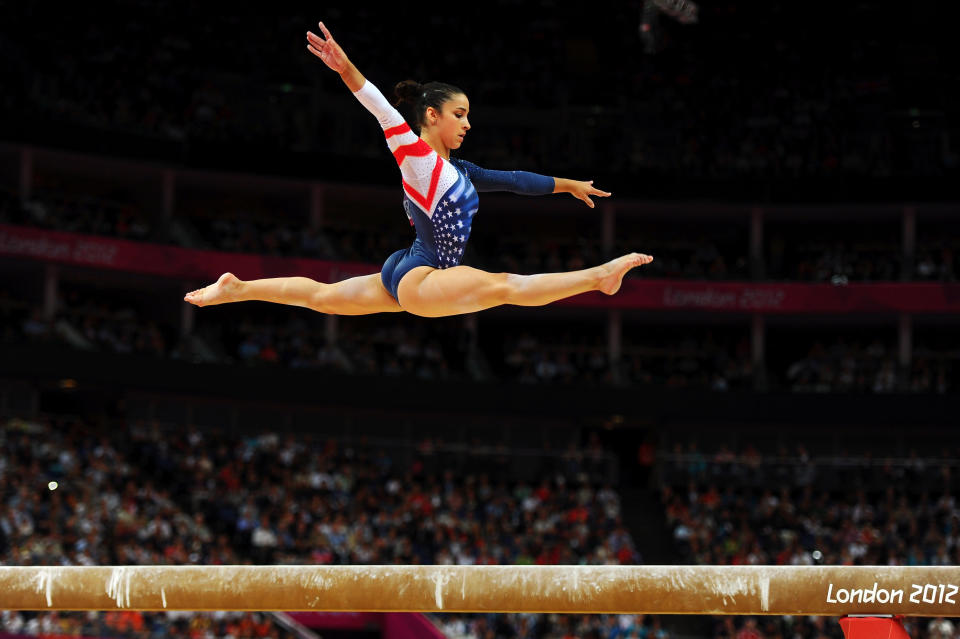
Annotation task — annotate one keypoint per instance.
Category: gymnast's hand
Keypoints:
(578, 189)
(327, 50)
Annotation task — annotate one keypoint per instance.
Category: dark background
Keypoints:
(839, 121)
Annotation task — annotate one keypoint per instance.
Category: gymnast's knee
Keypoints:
(508, 287)
(320, 300)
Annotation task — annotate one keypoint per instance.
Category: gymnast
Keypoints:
(440, 199)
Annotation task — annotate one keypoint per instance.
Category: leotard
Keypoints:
(439, 195)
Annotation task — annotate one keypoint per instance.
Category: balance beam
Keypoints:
(695, 590)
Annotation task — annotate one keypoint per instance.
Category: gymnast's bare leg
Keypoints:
(442, 219)
(424, 291)
(355, 296)
(433, 292)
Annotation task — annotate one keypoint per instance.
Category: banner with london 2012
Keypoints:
(636, 293)
(163, 260)
(780, 297)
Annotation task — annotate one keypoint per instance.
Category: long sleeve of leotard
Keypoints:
(522, 182)
(417, 161)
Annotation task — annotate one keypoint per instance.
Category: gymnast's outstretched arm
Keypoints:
(582, 190)
(333, 56)
(527, 183)
(401, 140)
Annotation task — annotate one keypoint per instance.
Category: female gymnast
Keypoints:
(440, 198)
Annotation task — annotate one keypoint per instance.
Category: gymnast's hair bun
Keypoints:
(407, 92)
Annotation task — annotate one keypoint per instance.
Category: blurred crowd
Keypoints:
(559, 626)
(694, 357)
(103, 510)
(748, 92)
(867, 366)
(715, 253)
(376, 348)
(150, 495)
(836, 259)
(143, 625)
(146, 495)
(92, 323)
(793, 506)
(77, 212)
(689, 357)
(698, 358)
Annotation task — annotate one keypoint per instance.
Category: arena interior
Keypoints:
(779, 387)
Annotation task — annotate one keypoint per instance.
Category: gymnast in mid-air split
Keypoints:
(440, 199)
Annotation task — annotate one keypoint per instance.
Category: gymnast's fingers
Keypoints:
(326, 33)
(315, 40)
(592, 190)
(314, 51)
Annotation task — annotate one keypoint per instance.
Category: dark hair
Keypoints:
(414, 98)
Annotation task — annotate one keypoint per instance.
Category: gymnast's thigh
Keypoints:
(432, 292)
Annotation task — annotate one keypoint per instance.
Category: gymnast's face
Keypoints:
(451, 123)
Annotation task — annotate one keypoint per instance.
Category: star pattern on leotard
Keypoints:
(450, 231)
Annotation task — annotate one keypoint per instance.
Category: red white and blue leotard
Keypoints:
(440, 196)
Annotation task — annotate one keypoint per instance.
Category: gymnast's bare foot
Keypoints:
(614, 271)
(226, 289)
